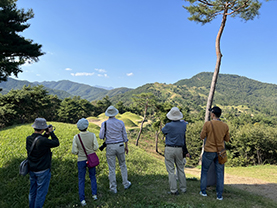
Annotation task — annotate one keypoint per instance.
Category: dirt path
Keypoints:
(252, 185)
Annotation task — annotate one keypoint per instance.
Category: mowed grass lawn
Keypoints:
(147, 174)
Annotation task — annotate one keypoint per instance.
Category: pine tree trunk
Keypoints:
(141, 126)
(211, 177)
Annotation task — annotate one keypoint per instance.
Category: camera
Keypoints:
(103, 146)
(49, 126)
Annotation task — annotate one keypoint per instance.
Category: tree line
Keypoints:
(253, 137)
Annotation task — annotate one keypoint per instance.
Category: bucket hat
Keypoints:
(82, 124)
(40, 123)
(174, 114)
(111, 111)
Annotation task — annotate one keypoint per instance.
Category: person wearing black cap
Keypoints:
(210, 129)
(40, 161)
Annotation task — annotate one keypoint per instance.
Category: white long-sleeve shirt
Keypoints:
(115, 131)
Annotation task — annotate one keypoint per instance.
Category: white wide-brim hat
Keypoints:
(82, 124)
(174, 114)
(40, 123)
(111, 111)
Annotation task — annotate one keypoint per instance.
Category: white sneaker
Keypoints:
(83, 203)
(220, 199)
(94, 197)
(129, 185)
(203, 194)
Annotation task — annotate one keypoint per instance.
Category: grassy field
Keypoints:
(147, 174)
(264, 172)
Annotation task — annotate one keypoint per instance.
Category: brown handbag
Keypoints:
(222, 154)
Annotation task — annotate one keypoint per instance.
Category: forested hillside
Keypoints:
(231, 91)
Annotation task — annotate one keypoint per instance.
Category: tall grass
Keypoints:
(147, 174)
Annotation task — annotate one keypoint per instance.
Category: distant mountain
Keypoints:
(64, 88)
(231, 91)
(105, 88)
(18, 84)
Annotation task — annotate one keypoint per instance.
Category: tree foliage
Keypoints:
(15, 50)
(73, 109)
(22, 106)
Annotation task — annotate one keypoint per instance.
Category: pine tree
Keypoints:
(15, 50)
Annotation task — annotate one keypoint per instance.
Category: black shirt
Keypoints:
(40, 158)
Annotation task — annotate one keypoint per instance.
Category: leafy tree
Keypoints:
(72, 109)
(145, 101)
(26, 104)
(120, 107)
(205, 11)
(15, 50)
(160, 120)
(101, 105)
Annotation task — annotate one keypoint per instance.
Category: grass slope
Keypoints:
(147, 174)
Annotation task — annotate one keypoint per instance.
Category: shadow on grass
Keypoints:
(147, 190)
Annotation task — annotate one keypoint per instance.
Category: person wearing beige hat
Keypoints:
(40, 161)
(175, 147)
(117, 145)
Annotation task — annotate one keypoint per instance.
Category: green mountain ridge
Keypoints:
(231, 91)
(64, 88)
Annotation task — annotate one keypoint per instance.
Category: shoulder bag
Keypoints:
(222, 155)
(24, 165)
(93, 159)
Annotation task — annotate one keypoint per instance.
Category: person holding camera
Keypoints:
(115, 133)
(91, 145)
(40, 161)
(175, 150)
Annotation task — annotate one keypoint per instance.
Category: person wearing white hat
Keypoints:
(91, 145)
(40, 161)
(175, 147)
(115, 133)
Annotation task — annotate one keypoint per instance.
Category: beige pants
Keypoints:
(114, 151)
(174, 157)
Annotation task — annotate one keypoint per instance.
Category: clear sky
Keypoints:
(127, 43)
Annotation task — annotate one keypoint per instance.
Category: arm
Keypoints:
(204, 133)
(227, 135)
(126, 148)
(53, 142)
(74, 150)
(95, 143)
(125, 138)
(102, 131)
(165, 129)
(185, 150)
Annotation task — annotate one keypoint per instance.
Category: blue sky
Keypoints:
(127, 43)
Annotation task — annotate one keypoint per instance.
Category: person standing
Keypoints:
(214, 129)
(40, 161)
(115, 133)
(91, 145)
(175, 147)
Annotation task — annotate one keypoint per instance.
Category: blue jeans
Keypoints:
(207, 159)
(82, 167)
(39, 184)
